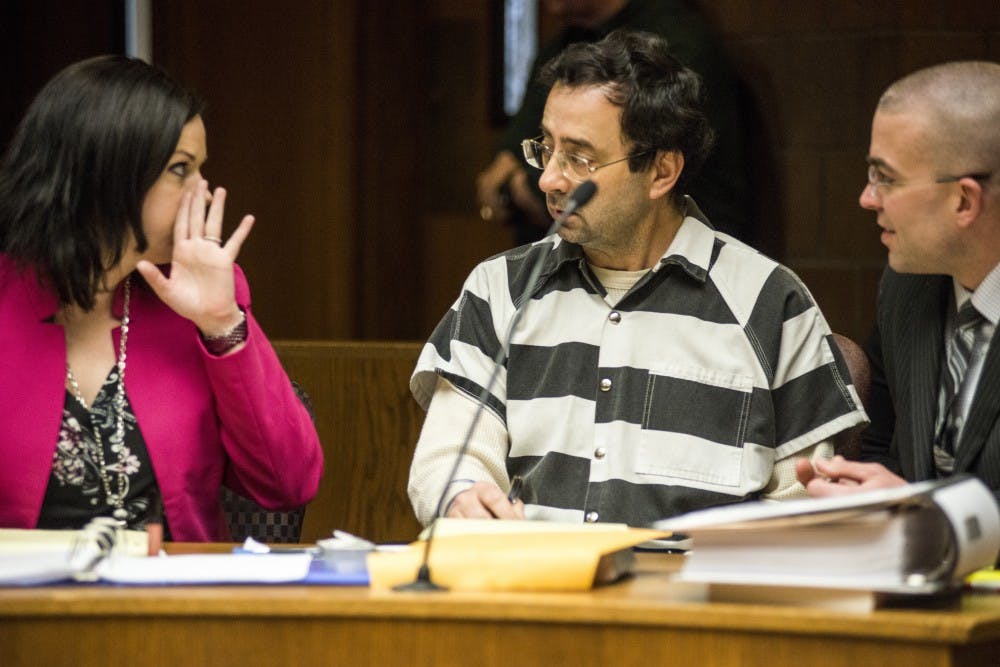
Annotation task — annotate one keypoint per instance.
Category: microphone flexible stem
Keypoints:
(499, 357)
(579, 197)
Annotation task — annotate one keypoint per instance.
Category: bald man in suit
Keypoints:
(934, 183)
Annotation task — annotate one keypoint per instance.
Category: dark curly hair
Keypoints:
(73, 180)
(662, 101)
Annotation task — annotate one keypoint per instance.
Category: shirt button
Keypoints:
(606, 384)
(591, 517)
(600, 453)
(615, 317)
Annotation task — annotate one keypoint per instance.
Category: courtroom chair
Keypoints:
(246, 518)
(861, 376)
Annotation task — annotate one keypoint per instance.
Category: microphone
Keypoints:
(423, 582)
(580, 196)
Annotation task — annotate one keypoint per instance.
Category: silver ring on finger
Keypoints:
(214, 239)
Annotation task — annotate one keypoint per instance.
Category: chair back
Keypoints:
(861, 377)
(246, 518)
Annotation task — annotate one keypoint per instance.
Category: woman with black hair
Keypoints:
(131, 366)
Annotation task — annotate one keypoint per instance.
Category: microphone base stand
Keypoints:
(422, 584)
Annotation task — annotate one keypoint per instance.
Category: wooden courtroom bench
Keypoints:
(368, 423)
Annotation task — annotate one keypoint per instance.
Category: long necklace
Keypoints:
(115, 498)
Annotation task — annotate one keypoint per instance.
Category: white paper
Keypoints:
(24, 569)
(763, 510)
(207, 569)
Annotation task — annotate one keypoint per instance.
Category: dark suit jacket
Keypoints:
(906, 352)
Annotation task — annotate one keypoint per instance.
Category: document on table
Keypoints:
(106, 553)
(492, 555)
(206, 569)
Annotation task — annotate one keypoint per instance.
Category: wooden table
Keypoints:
(630, 623)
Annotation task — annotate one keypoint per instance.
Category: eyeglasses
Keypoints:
(880, 182)
(573, 167)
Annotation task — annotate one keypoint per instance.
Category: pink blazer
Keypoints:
(207, 421)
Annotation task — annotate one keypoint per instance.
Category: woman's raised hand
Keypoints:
(200, 285)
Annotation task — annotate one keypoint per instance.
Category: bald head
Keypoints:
(959, 103)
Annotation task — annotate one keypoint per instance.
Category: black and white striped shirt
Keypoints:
(680, 396)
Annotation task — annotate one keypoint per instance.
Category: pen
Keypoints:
(515, 489)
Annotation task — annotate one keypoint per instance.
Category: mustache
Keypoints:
(557, 201)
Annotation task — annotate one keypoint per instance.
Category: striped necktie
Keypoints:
(958, 355)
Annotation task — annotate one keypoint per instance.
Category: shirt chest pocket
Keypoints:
(693, 425)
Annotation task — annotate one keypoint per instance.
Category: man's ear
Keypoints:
(667, 169)
(970, 201)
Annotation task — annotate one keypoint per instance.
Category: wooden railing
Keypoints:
(368, 423)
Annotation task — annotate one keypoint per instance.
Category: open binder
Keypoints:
(104, 551)
(30, 557)
(921, 539)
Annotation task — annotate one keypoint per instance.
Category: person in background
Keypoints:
(508, 193)
(660, 366)
(934, 184)
(131, 366)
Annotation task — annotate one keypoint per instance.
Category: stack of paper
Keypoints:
(919, 539)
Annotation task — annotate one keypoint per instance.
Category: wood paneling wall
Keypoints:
(354, 129)
(814, 71)
(459, 142)
(281, 83)
(391, 156)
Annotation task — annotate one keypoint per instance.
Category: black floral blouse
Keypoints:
(75, 493)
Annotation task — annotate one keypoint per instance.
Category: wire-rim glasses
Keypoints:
(880, 182)
(572, 166)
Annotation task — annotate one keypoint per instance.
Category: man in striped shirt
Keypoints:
(659, 366)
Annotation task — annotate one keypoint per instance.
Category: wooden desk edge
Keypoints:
(644, 600)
